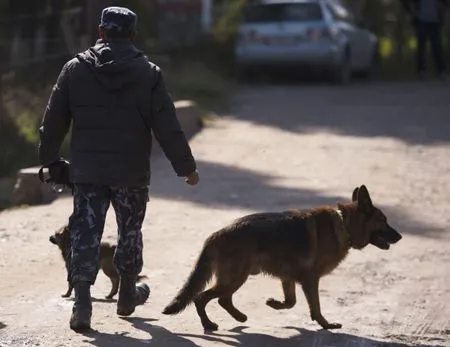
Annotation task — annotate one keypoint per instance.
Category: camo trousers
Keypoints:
(91, 203)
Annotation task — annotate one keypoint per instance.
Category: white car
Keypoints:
(306, 33)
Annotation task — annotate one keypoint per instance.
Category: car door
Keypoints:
(345, 21)
(369, 44)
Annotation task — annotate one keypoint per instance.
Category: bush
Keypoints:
(16, 151)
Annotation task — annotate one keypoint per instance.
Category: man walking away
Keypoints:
(428, 18)
(113, 97)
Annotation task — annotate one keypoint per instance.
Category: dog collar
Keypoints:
(341, 216)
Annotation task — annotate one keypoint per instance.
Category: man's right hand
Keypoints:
(193, 178)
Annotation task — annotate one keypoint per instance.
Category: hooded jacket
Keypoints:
(114, 99)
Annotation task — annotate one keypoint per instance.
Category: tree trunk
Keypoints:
(399, 36)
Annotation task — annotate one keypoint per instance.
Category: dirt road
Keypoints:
(279, 147)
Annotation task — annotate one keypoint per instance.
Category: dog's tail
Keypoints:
(199, 277)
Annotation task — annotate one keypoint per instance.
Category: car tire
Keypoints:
(343, 72)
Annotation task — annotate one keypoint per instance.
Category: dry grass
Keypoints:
(195, 81)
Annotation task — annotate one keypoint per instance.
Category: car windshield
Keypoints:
(287, 12)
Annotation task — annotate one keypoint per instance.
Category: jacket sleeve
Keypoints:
(167, 129)
(56, 120)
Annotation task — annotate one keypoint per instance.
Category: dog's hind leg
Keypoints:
(69, 291)
(227, 304)
(310, 287)
(115, 287)
(289, 297)
(200, 303)
(226, 300)
(228, 281)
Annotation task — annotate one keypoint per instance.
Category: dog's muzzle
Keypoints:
(383, 239)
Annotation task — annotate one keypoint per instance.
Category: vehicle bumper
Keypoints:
(311, 55)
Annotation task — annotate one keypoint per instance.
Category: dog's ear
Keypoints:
(61, 230)
(53, 240)
(364, 200)
(355, 194)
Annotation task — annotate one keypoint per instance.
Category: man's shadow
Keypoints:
(158, 336)
(305, 338)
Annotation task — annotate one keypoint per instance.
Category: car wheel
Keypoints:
(343, 72)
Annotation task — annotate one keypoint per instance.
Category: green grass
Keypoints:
(198, 83)
(387, 46)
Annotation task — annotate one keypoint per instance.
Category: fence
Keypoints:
(39, 37)
(31, 33)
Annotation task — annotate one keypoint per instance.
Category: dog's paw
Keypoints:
(331, 326)
(66, 295)
(275, 304)
(240, 317)
(210, 326)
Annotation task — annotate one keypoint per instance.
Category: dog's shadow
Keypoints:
(304, 338)
(160, 336)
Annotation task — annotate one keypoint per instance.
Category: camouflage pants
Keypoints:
(91, 203)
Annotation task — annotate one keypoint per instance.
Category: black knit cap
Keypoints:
(120, 18)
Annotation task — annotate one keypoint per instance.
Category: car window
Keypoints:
(339, 12)
(299, 12)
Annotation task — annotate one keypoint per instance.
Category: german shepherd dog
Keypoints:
(294, 246)
(61, 238)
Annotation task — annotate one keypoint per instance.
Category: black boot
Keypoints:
(131, 295)
(82, 308)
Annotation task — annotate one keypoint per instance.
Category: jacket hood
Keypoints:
(114, 63)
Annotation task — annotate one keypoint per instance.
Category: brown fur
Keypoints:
(61, 238)
(294, 246)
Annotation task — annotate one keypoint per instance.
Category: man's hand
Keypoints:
(193, 178)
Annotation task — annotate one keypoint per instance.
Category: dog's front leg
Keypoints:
(310, 287)
(115, 287)
(289, 297)
(69, 291)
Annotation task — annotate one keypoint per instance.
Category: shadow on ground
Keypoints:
(245, 189)
(159, 336)
(303, 338)
(412, 112)
(238, 188)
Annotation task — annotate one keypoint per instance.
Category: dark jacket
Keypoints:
(412, 7)
(112, 96)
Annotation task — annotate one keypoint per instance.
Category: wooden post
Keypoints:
(2, 108)
(399, 36)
